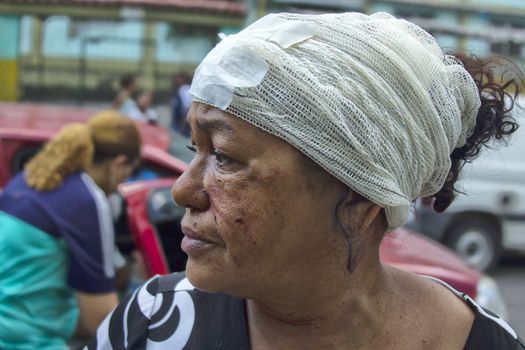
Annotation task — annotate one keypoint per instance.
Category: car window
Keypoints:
(165, 216)
(21, 157)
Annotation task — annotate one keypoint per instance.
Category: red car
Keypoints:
(149, 221)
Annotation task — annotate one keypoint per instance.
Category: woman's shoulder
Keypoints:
(170, 311)
(154, 312)
(424, 314)
(486, 330)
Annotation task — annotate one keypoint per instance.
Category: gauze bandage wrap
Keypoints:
(371, 99)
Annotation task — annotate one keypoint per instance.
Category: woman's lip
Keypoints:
(191, 245)
(193, 235)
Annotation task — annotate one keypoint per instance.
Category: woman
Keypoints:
(313, 136)
(56, 234)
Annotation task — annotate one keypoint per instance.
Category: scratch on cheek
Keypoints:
(236, 261)
(243, 228)
(241, 233)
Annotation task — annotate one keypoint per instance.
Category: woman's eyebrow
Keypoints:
(214, 125)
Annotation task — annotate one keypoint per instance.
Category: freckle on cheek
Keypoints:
(215, 193)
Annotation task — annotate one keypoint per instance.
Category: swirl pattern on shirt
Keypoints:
(168, 317)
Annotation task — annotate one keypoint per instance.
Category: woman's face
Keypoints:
(252, 219)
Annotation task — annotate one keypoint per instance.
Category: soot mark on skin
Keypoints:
(239, 221)
(242, 225)
(252, 176)
(241, 228)
(236, 261)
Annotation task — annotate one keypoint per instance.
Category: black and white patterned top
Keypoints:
(169, 313)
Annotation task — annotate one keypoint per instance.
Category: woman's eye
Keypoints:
(191, 148)
(222, 160)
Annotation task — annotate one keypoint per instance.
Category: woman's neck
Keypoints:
(351, 311)
(100, 175)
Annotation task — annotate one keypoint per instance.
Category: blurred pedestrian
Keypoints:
(142, 110)
(180, 103)
(124, 101)
(58, 275)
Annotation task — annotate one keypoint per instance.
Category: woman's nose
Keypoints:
(188, 190)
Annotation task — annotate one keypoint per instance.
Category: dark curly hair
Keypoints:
(494, 119)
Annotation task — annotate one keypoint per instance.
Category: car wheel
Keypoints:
(477, 240)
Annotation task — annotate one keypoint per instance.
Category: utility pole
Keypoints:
(261, 8)
(255, 9)
(251, 12)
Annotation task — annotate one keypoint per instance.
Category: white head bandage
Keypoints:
(371, 99)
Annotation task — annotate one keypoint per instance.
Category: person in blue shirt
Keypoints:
(180, 104)
(56, 234)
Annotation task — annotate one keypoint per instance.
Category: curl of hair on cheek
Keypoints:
(317, 179)
(357, 241)
(348, 234)
(345, 229)
(70, 151)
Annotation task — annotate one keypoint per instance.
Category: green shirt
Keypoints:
(38, 310)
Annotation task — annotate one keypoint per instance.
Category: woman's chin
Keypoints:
(204, 278)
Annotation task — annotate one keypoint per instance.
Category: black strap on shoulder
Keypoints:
(489, 335)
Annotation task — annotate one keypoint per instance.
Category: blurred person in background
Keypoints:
(124, 101)
(313, 135)
(142, 110)
(57, 246)
(180, 103)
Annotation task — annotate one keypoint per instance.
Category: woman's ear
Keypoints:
(362, 222)
(357, 212)
(119, 161)
(119, 170)
(371, 213)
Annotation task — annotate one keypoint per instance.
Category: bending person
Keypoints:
(313, 136)
(56, 234)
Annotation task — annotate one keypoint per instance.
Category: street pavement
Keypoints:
(510, 276)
